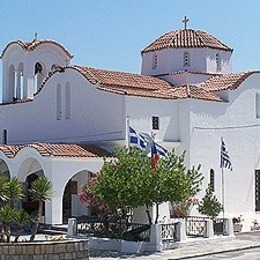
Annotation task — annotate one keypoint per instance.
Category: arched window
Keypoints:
(186, 59)
(67, 101)
(218, 61)
(155, 61)
(212, 179)
(11, 84)
(39, 76)
(19, 82)
(58, 100)
(4, 136)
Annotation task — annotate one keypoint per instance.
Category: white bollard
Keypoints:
(72, 227)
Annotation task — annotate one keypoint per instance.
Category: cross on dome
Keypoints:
(185, 21)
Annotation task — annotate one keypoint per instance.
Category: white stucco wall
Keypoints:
(94, 114)
(201, 60)
(236, 122)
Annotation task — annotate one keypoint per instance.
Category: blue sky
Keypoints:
(111, 33)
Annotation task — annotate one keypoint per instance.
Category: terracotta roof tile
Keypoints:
(195, 92)
(186, 39)
(56, 150)
(30, 46)
(123, 83)
(226, 81)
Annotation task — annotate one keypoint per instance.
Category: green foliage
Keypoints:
(3, 188)
(210, 205)
(131, 181)
(41, 189)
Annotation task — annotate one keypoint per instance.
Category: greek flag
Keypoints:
(159, 150)
(225, 161)
(137, 140)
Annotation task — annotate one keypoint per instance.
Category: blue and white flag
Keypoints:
(225, 161)
(137, 140)
(158, 149)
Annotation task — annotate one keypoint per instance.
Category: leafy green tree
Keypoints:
(210, 205)
(131, 181)
(40, 191)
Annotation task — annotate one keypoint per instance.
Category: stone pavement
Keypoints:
(203, 248)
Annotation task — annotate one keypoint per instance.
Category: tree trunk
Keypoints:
(37, 222)
(148, 215)
(157, 213)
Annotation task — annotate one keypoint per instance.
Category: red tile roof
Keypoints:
(56, 150)
(187, 38)
(123, 83)
(226, 81)
(196, 92)
(30, 46)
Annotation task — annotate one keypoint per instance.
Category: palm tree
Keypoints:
(3, 188)
(7, 214)
(41, 190)
(21, 218)
(15, 191)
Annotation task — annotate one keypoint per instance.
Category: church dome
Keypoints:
(186, 38)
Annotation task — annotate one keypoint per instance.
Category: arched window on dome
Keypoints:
(218, 62)
(38, 76)
(4, 136)
(186, 59)
(154, 61)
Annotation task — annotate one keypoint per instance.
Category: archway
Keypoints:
(72, 206)
(4, 170)
(29, 171)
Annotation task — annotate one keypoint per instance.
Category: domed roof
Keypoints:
(186, 38)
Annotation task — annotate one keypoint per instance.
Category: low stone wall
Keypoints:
(46, 250)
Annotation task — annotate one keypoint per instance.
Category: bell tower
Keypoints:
(26, 64)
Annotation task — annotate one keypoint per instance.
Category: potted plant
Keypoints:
(237, 223)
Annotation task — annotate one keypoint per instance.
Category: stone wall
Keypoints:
(47, 250)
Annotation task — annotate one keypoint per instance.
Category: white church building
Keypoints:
(61, 120)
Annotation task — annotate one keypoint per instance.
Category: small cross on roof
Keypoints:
(185, 21)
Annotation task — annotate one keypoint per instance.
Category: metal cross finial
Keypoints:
(185, 21)
(36, 36)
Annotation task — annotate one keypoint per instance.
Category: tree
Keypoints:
(21, 218)
(131, 181)
(7, 214)
(40, 191)
(3, 188)
(209, 205)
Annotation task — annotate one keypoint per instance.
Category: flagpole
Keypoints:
(223, 184)
(127, 132)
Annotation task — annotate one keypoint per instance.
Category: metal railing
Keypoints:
(113, 229)
(195, 226)
(169, 232)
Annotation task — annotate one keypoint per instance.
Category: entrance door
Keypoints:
(257, 190)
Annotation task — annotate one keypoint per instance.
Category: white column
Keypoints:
(228, 227)
(156, 237)
(209, 232)
(181, 230)
(53, 210)
(72, 227)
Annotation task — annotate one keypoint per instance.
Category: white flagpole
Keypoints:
(127, 132)
(223, 182)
